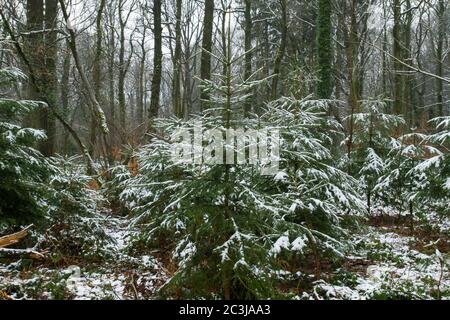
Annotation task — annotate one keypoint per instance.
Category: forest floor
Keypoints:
(393, 259)
(390, 260)
(118, 277)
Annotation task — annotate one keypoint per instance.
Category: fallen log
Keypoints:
(14, 238)
(21, 253)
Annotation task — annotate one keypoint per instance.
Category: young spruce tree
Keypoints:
(228, 227)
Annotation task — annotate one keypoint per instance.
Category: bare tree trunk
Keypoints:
(33, 44)
(224, 38)
(157, 62)
(178, 106)
(352, 59)
(205, 68)
(351, 44)
(187, 93)
(248, 48)
(65, 80)
(324, 50)
(440, 57)
(408, 80)
(41, 48)
(97, 72)
(35, 51)
(266, 55)
(111, 72)
(122, 69)
(384, 62)
(339, 56)
(397, 53)
(141, 83)
(281, 50)
(50, 80)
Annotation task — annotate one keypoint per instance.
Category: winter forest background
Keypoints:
(92, 207)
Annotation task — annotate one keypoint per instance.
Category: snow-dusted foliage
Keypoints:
(227, 226)
(217, 222)
(313, 190)
(23, 170)
(417, 178)
(394, 269)
(371, 140)
(51, 193)
(399, 185)
(74, 213)
(433, 169)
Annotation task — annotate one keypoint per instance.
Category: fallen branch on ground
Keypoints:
(14, 238)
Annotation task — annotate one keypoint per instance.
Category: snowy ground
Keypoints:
(386, 263)
(389, 268)
(127, 277)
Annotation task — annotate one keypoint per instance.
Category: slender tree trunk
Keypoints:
(324, 50)
(384, 76)
(33, 44)
(281, 50)
(361, 47)
(440, 57)
(266, 60)
(339, 57)
(398, 56)
(49, 77)
(122, 71)
(407, 58)
(351, 44)
(41, 50)
(353, 67)
(111, 73)
(178, 106)
(228, 270)
(97, 73)
(187, 93)
(386, 89)
(205, 68)
(224, 40)
(157, 62)
(34, 51)
(248, 48)
(65, 82)
(141, 85)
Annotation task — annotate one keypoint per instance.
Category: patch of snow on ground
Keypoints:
(124, 277)
(399, 272)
